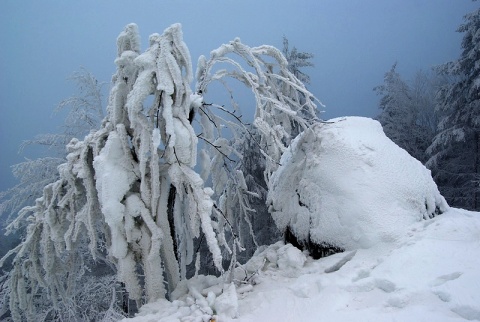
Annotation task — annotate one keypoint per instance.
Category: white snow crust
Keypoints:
(430, 274)
(344, 183)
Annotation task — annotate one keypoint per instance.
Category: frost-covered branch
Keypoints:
(283, 108)
(129, 191)
(33, 176)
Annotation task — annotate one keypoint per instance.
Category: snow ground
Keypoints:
(431, 273)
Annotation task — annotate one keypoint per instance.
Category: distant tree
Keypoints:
(297, 60)
(408, 113)
(424, 88)
(396, 107)
(85, 113)
(129, 192)
(85, 108)
(455, 150)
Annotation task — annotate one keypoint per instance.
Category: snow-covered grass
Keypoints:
(431, 273)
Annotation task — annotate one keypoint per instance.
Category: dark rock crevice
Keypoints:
(314, 249)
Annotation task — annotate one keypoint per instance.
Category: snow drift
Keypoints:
(430, 274)
(345, 184)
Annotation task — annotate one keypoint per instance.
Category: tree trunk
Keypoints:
(170, 207)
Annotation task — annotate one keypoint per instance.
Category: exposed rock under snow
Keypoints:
(345, 184)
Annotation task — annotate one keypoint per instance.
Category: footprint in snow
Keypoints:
(467, 312)
(446, 278)
(385, 285)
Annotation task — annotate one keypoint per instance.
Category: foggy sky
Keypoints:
(354, 42)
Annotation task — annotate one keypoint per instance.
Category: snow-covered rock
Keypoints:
(290, 259)
(345, 184)
(226, 304)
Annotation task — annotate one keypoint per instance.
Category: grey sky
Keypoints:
(354, 42)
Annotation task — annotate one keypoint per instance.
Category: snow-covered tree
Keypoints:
(396, 107)
(252, 165)
(130, 192)
(455, 150)
(85, 112)
(408, 112)
(284, 108)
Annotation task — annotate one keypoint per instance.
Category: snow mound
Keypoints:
(345, 184)
(209, 298)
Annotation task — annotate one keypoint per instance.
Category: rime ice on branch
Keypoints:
(132, 185)
(283, 108)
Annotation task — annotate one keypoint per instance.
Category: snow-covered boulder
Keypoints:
(345, 185)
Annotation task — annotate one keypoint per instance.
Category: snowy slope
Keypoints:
(347, 184)
(431, 273)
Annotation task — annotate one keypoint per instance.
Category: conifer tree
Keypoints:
(455, 150)
(408, 113)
